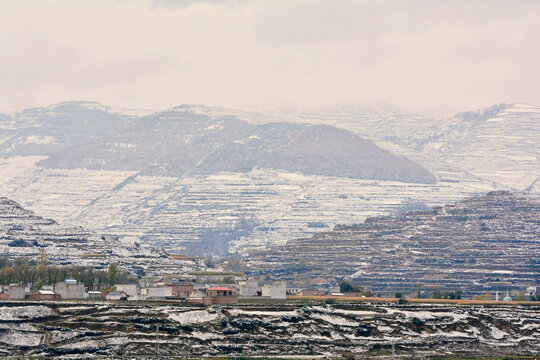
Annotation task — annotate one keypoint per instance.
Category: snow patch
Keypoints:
(193, 317)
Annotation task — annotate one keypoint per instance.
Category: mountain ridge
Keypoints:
(177, 140)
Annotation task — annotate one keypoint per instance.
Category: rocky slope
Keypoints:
(24, 234)
(485, 243)
(66, 330)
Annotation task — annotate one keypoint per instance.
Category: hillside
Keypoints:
(497, 144)
(179, 141)
(480, 244)
(24, 234)
(202, 180)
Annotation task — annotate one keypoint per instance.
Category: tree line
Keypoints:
(39, 272)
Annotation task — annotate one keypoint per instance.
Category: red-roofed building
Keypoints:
(220, 295)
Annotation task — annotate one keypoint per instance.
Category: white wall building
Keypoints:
(132, 290)
(248, 288)
(156, 292)
(266, 290)
(294, 291)
(70, 290)
(17, 292)
(278, 290)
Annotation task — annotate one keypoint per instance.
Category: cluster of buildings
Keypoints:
(69, 289)
(191, 292)
(200, 293)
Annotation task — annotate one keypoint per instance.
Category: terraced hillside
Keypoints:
(485, 243)
(24, 234)
(66, 330)
(202, 180)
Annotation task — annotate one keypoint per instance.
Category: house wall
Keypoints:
(114, 297)
(312, 293)
(294, 291)
(38, 296)
(182, 290)
(249, 288)
(209, 300)
(17, 292)
(70, 291)
(162, 291)
(129, 289)
(266, 290)
(278, 290)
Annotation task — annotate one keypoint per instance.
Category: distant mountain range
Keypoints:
(498, 144)
(179, 141)
(203, 180)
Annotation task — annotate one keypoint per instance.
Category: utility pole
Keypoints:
(157, 340)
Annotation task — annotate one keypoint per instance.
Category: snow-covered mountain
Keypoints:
(203, 179)
(498, 144)
(179, 141)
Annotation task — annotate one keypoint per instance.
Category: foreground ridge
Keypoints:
(65, 330)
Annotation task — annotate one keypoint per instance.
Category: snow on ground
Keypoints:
(24, 312)
(497, 334)
(168, 211)
(335, 320)
(17, 338)
(193, 317)
(33, 139)
(239, 312)
(206, 335)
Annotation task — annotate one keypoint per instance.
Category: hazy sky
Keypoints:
(156, 54)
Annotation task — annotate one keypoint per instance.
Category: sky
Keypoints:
(155, 54)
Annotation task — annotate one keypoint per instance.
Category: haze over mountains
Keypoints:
(202, 179)
(178, 141)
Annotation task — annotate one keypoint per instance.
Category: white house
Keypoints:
(95, 295)
(116, 295)
(132, 290)
(69, 289)
(294, 291)
(266, 290)
(17, 292)
(278, 290)
(248, 288)
(156, 292)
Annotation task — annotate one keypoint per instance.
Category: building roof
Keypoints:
(223, 288)
(45, 292)
(116, 293)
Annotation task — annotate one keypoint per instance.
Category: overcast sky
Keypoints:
(157, 54)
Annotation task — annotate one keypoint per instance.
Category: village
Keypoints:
(183, 291)
(231, 292)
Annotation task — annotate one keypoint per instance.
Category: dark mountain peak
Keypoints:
(483, 114)
(194, 138)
